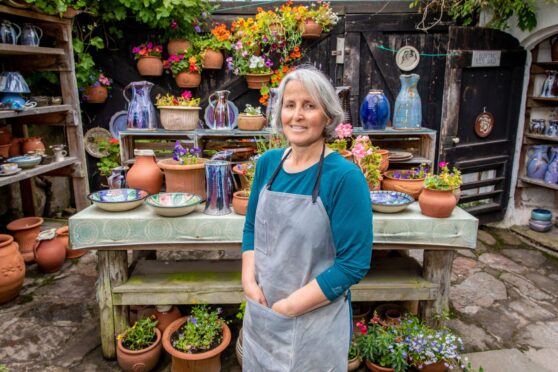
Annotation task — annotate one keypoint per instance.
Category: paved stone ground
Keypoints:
(504, 303)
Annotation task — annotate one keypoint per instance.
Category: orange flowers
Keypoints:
(221, 32)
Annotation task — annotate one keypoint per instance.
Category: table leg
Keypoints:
(437, 269)
(113, 270)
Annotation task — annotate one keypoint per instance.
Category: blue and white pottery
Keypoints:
(173, 204)
(118, 200)
(141, 113)
(390, 201)
(537, 161)
(26, 161)
(551, 174)
(375, 110)
(9, 32)
(218, 177)
(407, 113)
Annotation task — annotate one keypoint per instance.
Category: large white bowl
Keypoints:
(118, 200)
(173, 204)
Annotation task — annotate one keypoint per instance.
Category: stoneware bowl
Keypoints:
(540, 214)
(390, 201)
(173, 204)
(26, 161)
(118, 200)
(540, 226)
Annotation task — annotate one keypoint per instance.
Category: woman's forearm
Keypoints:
(302, 300)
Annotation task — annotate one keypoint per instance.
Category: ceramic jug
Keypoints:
(552, 129)
(374, 110)
(537, 126)
(58, 152)
(408, 111)
(219, 187)
(117, 179)
(145, 174)
(221, 112)
(9, 32)
(31, 35)
(141, 113)
(271, 103)
(550, 86)
(537, 161)
(551, 174)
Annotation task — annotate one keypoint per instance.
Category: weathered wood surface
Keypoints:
(437, 267)
(37, 170)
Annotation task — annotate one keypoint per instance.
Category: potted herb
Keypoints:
(343, 132)
(409, 181)
(211, 45)
(240, 198)
(148, 56)
(139, 347)
(195, 342)
(437, 198)
(179, 113)
(256, 69)
(370, 159)
(97, 91)
(251, 119)
(185, 172)
(185, 68)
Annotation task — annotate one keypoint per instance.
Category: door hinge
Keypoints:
(339, 51)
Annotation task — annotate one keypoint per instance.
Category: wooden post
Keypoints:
(437, 269)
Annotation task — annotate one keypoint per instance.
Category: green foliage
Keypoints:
(141, 335)
(241, 310)
(252, 111)
(276, 141)
(353, 350)
(446, 180)
(202, 331)
(112, 160)
(3, 368)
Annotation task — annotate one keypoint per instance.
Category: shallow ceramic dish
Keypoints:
(173, 204)
(390, 201)
(9, 173)
(118, 200)
(540, 226)
(26, 161)
(540, 214)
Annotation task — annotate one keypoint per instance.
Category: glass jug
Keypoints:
(221, 111)
(141, 113)
(219, 185)
(8, 32)
(31, 35)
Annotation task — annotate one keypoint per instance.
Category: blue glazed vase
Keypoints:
(551, 174)
(537, 161)
(141, 113)
(374, 110)
(408, 111)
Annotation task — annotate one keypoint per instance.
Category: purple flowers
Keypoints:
(185, 156)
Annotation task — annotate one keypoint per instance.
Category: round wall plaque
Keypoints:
(407, 58)
(484, 124)
(91, 141)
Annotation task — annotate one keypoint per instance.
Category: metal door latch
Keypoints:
(340, 51)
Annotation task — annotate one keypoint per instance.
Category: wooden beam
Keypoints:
(437, 267)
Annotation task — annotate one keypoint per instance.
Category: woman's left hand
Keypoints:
(282, 307)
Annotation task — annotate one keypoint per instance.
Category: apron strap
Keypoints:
(274, 175)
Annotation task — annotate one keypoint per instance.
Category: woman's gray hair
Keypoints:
(320, 89)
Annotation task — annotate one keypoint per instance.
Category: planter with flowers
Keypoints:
(369, 159)
(179, 113)
(178, 35)
(409, 181)
(354, 357)
(437, 198)
(240, 198)
(149, 59)
(139, 347)
(318, 18)
(196, 342)
(256, 69)
(97, 91)
(342, 132)
(185, 68)
(211, 46)
(251, 119)
(185, 172)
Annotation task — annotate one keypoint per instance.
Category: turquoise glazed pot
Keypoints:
(374, 110)
(408, 111)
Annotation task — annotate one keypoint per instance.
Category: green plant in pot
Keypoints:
(139, 346)
(437, 198)
(409, 181)
(369, 159)
(112, 158)
(251, 119)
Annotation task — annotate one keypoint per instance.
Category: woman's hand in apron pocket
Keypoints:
(254, 292)
(282, 307)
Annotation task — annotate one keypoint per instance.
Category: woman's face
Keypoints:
(303, 121)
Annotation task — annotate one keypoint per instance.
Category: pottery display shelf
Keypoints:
(217, 280)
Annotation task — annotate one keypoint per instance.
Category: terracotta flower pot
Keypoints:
(210, 361)
(15, 147)
(150, 66)
(376, 368)
(255, 81)
(62, 235)
(5, 150)
(25, 232)
(145, 174)
(184, 178)
(165, 316)
(310, 29)
(177, 46)
(33, 145)
(408, 186)
(5, 136)
(49, 253)
(12, 268)
(347, 155)
(437, 203)
(354, 363)
(71, 12)
(96, 94)
(250, 122)
(240, 202)
(188, 80)
(434, 367)
(213, 59)
(139, 360)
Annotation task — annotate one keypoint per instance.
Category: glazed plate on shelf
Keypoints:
(233, 119)
(118, 200)
(173, 204)
(118, 122)
(397, 156)
(384, 201)
(26, 161)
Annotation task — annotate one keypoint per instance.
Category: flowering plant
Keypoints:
(189, 61)
(185, 156)
(445, 180)
(141, 335)
(252, 111)
(219, 38)
(342, 131)
(411, 174)
(202, 331)
(247, 64)
(322, 13)
(98, 79)
(185, 99)
(147, 50)
(368, 158)
(112, 158)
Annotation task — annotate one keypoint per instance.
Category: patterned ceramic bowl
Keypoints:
(26, 161)
(173, 204)
(390, 201)
(118, 200)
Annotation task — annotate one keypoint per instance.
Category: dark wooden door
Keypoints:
(472, 86)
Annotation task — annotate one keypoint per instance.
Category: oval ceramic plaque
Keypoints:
(484, 124)
(407, 58)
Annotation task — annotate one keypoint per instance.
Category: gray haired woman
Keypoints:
(307, 238)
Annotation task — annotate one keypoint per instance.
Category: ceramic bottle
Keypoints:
(145, 174)
(407, 113)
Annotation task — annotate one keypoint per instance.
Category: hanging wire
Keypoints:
(420, 54)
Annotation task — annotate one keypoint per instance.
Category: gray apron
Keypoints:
(292, 245)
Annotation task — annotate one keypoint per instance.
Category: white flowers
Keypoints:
(256, 62)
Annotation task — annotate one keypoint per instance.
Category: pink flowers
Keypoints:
(344, 130)
(104, 80)
(362, 327)
(147, 50)
(186, 95)
(362, 147)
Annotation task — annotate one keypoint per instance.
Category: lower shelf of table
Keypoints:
(219, 282)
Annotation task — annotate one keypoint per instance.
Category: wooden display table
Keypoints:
(218, 281)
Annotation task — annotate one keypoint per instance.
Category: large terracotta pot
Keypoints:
(5, 136)
(165, 316)
(255, 81)
(310, 29)
(145, 174)
(5, 150)
(139, 360)
(376, 368)
(437, 203)
(96, 94)
(12, 268)
(184, 178)
(150, 66)
(25, 231)
(408, 186)
(33, 145)
(188, 80)
(15, 147)
(240, 202)
(213, 59)
(434, 367)
(250, 122)
(177, 46)
(49, 252)
(209, 361)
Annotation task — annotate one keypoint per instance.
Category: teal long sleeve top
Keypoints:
(346, 198)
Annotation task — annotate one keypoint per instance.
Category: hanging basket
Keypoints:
(150, 66)
(255, 81)
(188, 79)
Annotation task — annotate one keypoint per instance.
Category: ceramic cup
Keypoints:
(8, 167)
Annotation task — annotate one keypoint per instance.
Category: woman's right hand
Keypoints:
(254, 292)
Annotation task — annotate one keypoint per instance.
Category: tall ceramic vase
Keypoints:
(537, 161)
(407, 113)
(551, 174)
(12, 268)
(145, 174)
(375, 110)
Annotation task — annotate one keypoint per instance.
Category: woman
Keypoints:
(307, 238)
